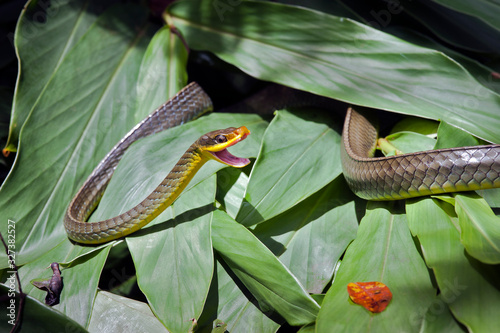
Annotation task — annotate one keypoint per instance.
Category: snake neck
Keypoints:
(170, 188)
(183, 172)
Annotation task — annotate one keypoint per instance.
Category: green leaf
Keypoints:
(492, 197)
(341, 59)
(467, 286)
(482, 73)
(450, 137)
(383, 251)
(311, 328)
(80, 279)
(409, 142)
(112, 313)
(272, 284)
(173, 258)
(230, 302)
(231, 186)
(479, 228)
(45, 34)
(162, 73)
(298, 157)
(310, 237)
(36, 316)
(77, 118)
(417, 125)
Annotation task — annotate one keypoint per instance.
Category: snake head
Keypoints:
(214, 145)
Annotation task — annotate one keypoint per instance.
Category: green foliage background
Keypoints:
(271, 247)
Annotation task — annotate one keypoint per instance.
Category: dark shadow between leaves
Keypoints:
(210, 309)
(488, 272)
(187, 216)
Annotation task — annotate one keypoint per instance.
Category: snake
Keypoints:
(372, 178)
(190, 103)
(412, 175)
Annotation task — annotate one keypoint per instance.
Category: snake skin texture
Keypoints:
(188, 104)
(415, 174)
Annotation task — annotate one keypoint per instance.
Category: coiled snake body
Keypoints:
(384, 178)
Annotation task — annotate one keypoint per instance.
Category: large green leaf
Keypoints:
(298, 157)
(113, 313)
(339, 58)
(482, 73)
(383, 251)
(41, 51)
(77, 118)
(468, 287)
(274, 287)
(162, 73)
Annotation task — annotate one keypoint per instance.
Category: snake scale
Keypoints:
(373, 178)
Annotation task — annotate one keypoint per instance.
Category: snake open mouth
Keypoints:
(224, 156)
(227, 158)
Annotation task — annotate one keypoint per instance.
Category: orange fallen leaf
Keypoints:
(373, 296)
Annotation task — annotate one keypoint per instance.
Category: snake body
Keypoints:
(416, 174)
(384, 178)
(187, 104)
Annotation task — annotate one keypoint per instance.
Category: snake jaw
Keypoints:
(225, 157)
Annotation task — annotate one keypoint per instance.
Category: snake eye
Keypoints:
(220, 138)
